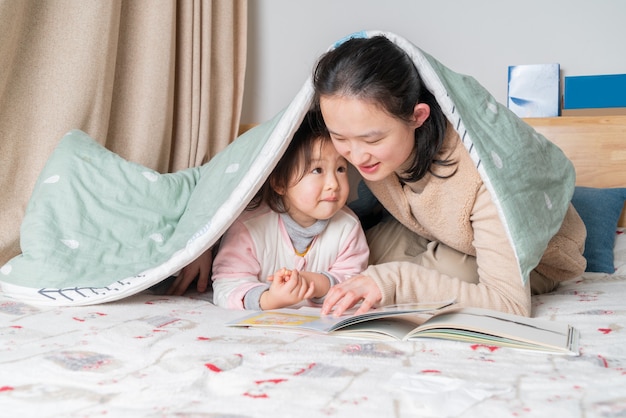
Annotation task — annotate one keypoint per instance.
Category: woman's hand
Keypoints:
(287, 288)
(200, 268)
(345, 295)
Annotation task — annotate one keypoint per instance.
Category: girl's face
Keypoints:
(372, 140)
(322, 191)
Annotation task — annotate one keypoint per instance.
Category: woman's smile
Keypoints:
(368, 169)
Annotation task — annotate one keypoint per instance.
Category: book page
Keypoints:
(310, 318)
(480, 325)
(295, 319)
(386, 329)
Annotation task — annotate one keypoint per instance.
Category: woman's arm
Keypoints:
(499, 285)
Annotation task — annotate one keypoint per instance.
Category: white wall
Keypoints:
(476, 37)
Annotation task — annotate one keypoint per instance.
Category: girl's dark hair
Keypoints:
(295, 162)
(377, 70)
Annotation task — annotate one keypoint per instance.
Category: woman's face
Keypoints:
(372, 140)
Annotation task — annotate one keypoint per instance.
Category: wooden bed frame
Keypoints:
(595, 144)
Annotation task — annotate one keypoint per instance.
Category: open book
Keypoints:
(417, 321)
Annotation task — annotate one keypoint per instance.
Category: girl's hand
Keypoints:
(287, 288)
(283, 274)
(345, 295)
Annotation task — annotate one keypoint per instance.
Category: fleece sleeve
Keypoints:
(499, 284)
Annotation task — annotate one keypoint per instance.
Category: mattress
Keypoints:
(155, 355)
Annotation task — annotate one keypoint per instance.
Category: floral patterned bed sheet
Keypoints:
(161, 356)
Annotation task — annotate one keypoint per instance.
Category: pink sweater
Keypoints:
(257, 245)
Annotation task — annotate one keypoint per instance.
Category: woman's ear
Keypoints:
(421, 112)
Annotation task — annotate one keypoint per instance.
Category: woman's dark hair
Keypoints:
(295, 162)
(377, 70)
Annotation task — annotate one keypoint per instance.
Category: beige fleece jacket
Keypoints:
(459, 212)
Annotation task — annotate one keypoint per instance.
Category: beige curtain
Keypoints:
(159, 82)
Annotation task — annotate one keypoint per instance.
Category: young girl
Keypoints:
(297, 239)
(444, 238)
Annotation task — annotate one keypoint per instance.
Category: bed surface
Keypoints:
(151, 355)
(155, 356)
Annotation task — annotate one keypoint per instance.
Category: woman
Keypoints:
(444, 237)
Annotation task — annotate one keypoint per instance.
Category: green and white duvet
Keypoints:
(99, 228)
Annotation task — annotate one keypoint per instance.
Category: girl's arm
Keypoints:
(351, 260)
(236, 268)
(354, 253)
(321, 282)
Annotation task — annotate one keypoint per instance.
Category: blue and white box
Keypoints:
(534, 90)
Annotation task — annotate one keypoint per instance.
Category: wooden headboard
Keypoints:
(595, 144)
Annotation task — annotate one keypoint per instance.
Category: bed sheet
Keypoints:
(160, 356)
